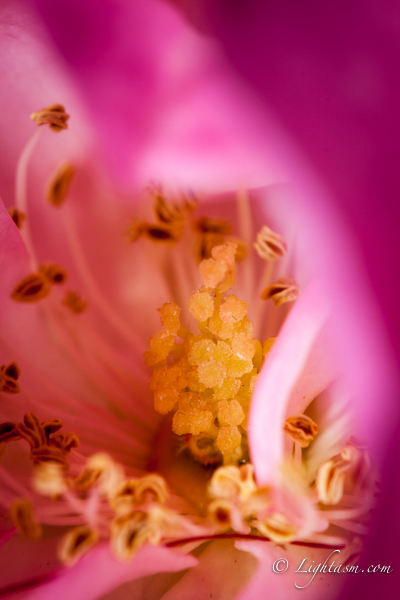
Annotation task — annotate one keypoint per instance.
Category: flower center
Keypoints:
(205, 364)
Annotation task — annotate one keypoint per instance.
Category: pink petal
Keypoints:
(267, 583)
(99, 572)
(221, 573)
(161, 98)
(295, 371)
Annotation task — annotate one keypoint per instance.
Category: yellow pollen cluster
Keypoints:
(207, 379)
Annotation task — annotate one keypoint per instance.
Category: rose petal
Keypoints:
(99, 572)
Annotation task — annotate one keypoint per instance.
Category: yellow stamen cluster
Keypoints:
(207, 379)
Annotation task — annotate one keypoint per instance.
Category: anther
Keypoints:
(31, 289)
(9, 432)
(74, 302)
(330, 481)
(21, 513)
(277, 528)
(8, 378)
(53, 115)
(77, 543)
(282, 291)
(217, 226)
(270, 245)
(17, 216)
(301, 429)
(53, 273)
(58, 186)
(158, 233)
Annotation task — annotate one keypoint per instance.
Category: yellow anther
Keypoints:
(238, 367)
(17, 216)
(243, 347)
(194, 422)
(100, 469)
(212, 373)
(21, 513)
(330, 481)
(169, 316)
(225, 253)
(202, 351)
(194, 381)
(212, 272)
(133, 493)
(278, 528)
(31, 289)
(268, 345)
(76, 543)
(59, 183)
(227, 390)
(228, 439)
(203, 449)
(189, 401)
(230, 413)
(201, 306)
(219, 512)
(53, 115)
(282, 291)
(74, 302)
(160, 346)
(233, 310)
(165, 400)
(48, 480)
(270, 245)
(9, 375)
(125, 538)
(223, 352)
(301, 429)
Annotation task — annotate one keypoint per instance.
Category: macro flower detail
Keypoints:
(186, 476)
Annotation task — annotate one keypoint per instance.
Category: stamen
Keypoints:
(17, 216)
(59, 183)
(102, 470)
(277, 528)
(31, 289)
(47, 445)
(53, 273)
(8, 378)
(76, 543)
(21, 513)
(282, 291)
(54, 115)
(301, 429)
(270, 245)
(48, 480)
(9, 432)
(216, 226)
(74, 302)
(330, 481)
